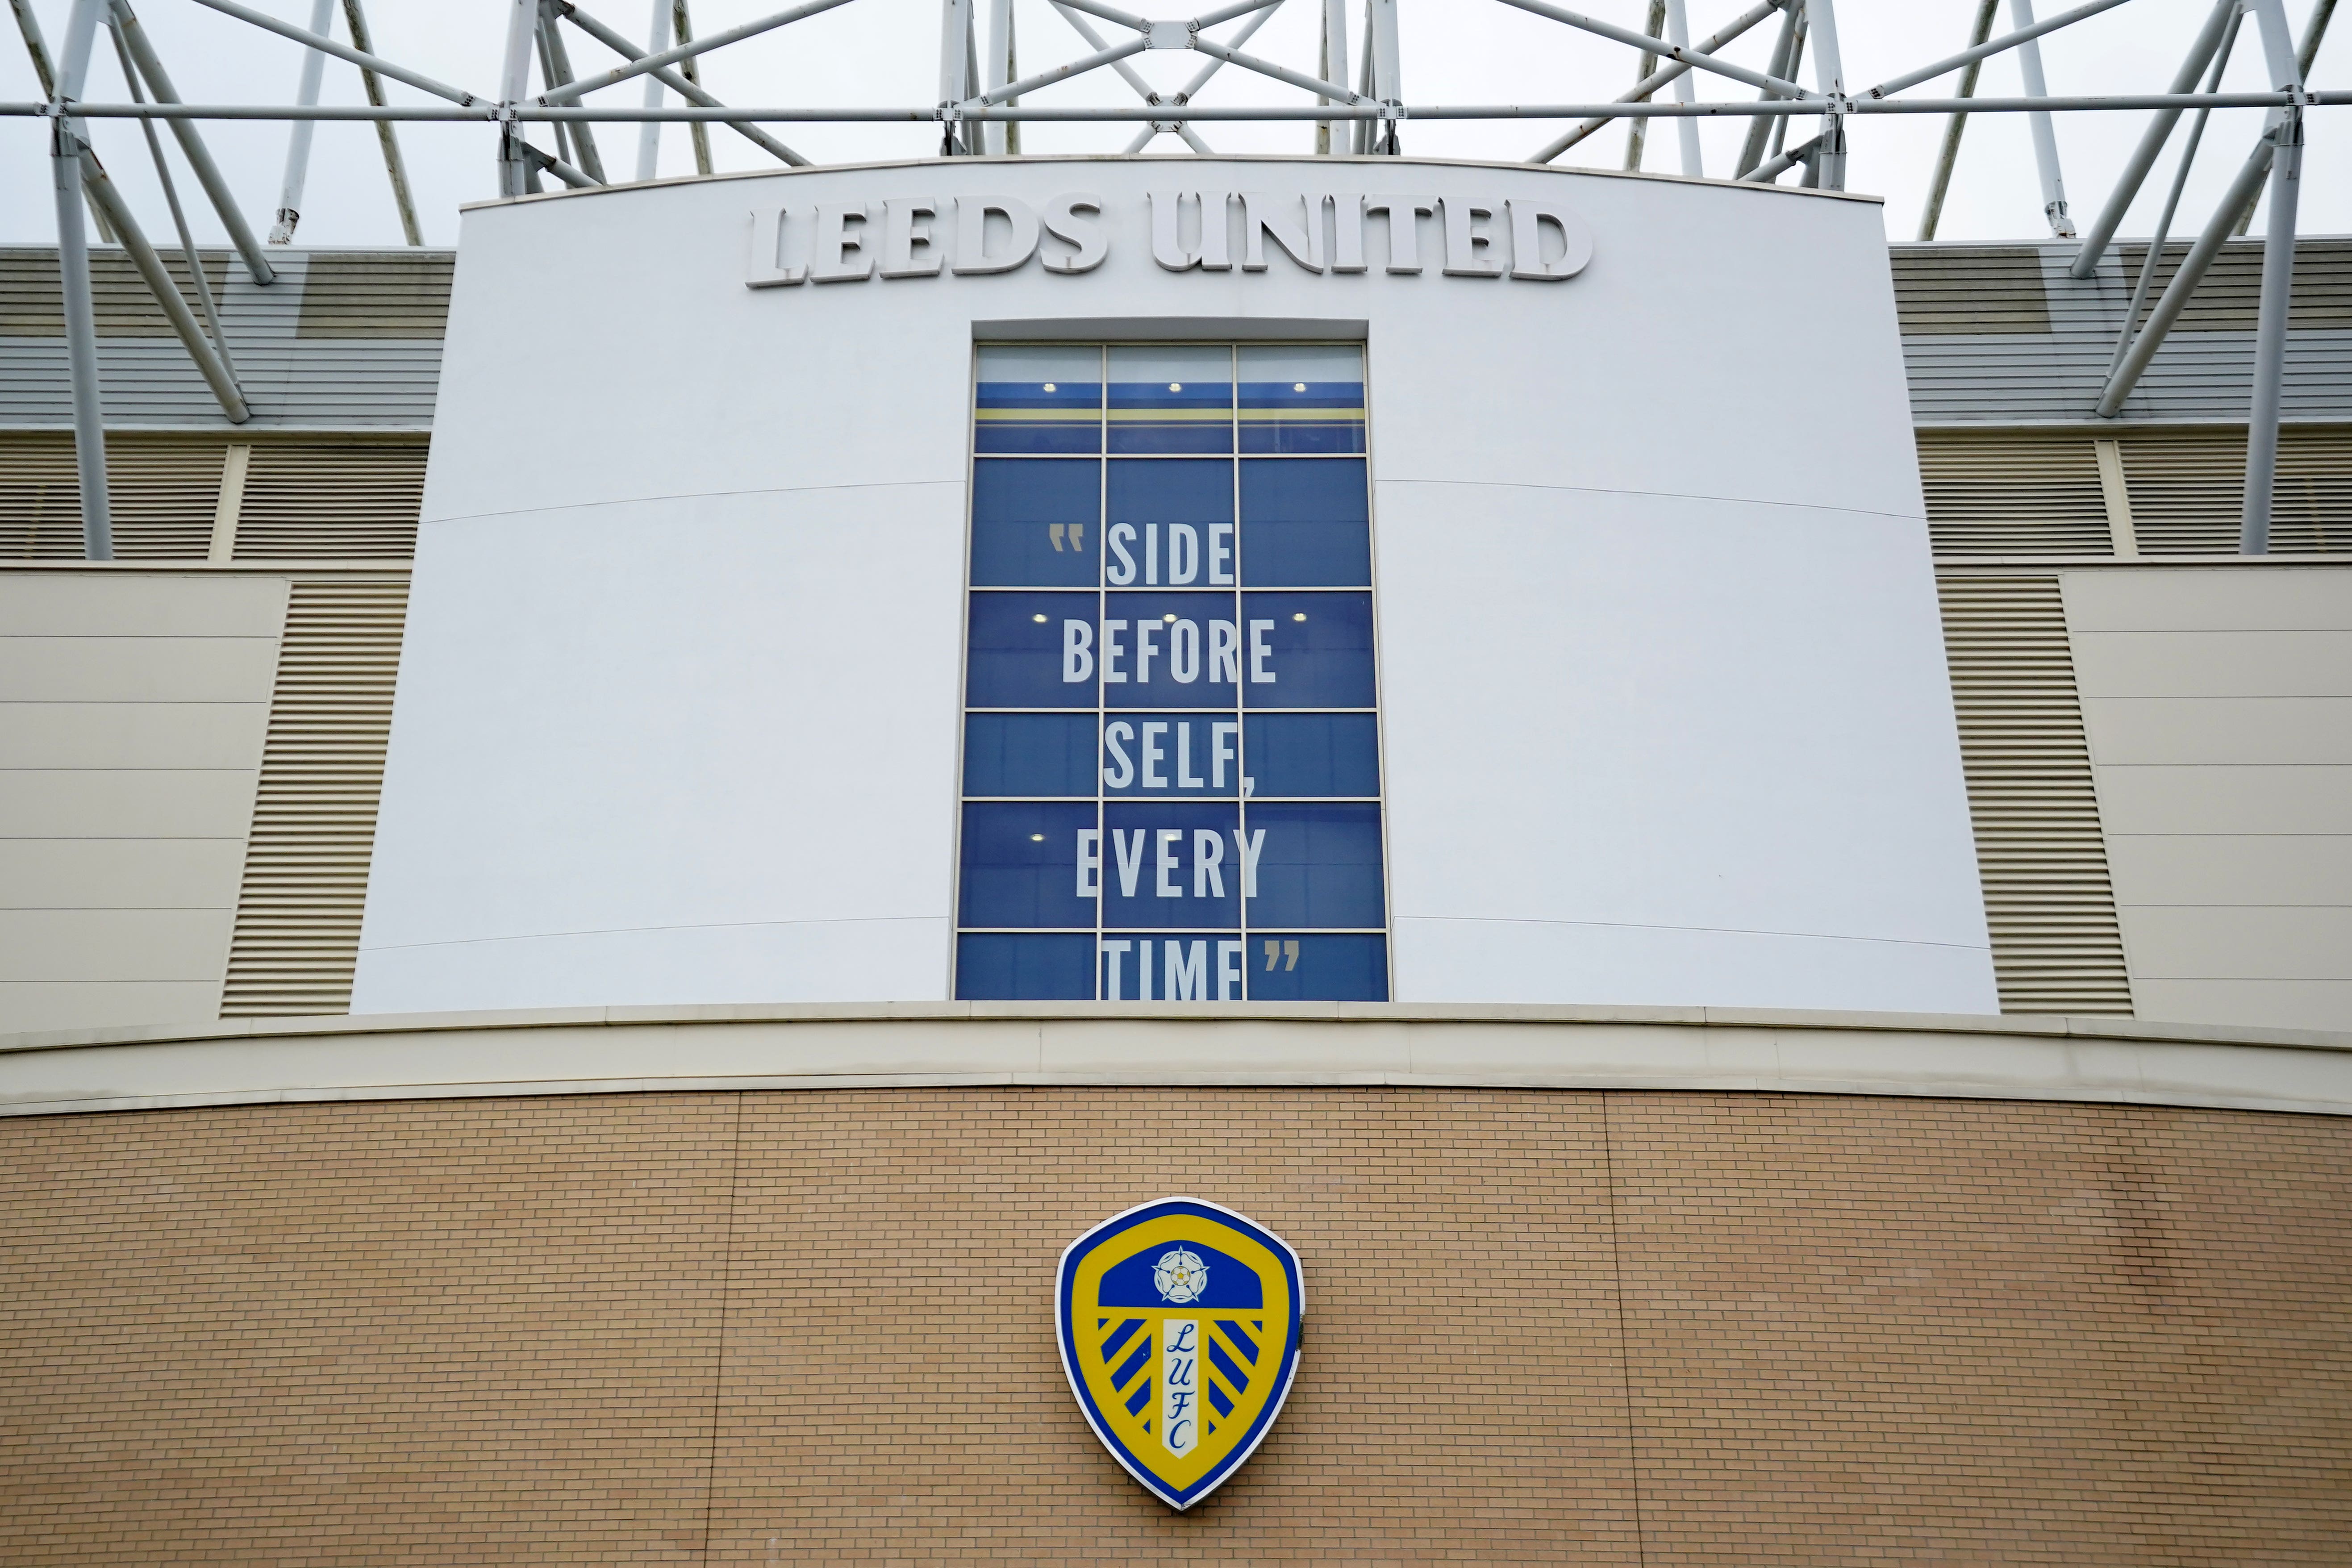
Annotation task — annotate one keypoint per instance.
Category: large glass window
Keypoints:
(1172, 758)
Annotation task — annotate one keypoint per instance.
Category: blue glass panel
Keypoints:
(1172, 756)
(1308, 650)
(1305, 524)
(1038, 400)
(1169, 650)
(1170, 866)
(1170, 524)
(1314, 754)
(1172, 400)
(1030, 650)
(1021, 864)
(1034, 523)
(1029, 753)
(1284, 967)
(1317, 866)
(1003, 968)
(1172, 966)
(1304, 399)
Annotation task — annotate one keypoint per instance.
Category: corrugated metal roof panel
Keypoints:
(294, 374)
(2055, 376)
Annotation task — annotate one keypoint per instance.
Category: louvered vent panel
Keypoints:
(2056, 947)
(2188, 487)
(2013, 493)
(164, 491)
(305, 864)
(321, 501)
(1947, 291)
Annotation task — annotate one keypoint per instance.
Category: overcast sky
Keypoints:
(884, 52)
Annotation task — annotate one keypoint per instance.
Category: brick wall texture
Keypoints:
(1542, 1328)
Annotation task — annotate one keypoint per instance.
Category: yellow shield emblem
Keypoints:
(1178, 1323)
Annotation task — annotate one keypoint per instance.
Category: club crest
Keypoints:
(1178, 1323)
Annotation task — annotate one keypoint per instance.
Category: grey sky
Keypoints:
(884, 52)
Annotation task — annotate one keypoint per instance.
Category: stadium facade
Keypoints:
(600, 889)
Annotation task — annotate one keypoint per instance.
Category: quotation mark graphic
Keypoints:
(1284, 950)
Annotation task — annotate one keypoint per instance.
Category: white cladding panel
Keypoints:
(1666, 711)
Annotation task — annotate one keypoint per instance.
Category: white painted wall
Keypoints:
(2219, 707)
(1666, 713)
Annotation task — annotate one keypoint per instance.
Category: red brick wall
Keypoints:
(817, 1328)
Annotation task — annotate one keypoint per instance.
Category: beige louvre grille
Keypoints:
(32, 302)
(1967, 291)
(2056, 947)
(376, 294)
(162, 490)
(2228, 298)
(305, 864)
(2009, 492)
(319, 501)
(2189, 487)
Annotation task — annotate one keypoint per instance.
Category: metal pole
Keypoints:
(1335, 59)
(1650, 82)
(1752, 151)
(2045, 137)
(29, 25)
(1949, 153)
(215, 369)
(2152, 141)
(2172, 197)
(1637, 130)
(2270, 336)
(356, 21)
(192, 147)
(516, 176)
(1827, 169)
(2184, 282)
(557, 70)
(2284, 60)
(649, 134)
(992, 73)
(297, 140)
(188, 252)
(1387, 73)
(1012, 73)
(621, 46)
(2314, 28)
(1678, 34)
(73, 280)
(1796, 60)
(681, 26)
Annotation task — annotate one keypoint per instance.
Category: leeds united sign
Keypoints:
(1178, 1323)
(1213, 231)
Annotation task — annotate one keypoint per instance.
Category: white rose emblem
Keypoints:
(1181, 1276)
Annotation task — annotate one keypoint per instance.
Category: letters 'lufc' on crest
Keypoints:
(1178, 1323)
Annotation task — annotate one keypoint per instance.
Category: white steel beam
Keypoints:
(2151, 142)
(298, 135)
(192, 146)
(73, 279)
(394, 168)
(2045, 135)
(1678, 34)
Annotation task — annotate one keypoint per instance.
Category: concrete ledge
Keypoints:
(934, 1044)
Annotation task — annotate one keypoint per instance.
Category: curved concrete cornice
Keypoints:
(608, 1050)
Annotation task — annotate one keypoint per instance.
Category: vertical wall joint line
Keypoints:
(234, 461)
(2123, 536)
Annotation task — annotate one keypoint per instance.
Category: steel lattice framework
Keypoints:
(982, 104)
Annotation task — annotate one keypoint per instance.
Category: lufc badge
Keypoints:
(1179, 1324)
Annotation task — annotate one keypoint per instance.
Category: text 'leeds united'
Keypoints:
(922, 237)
